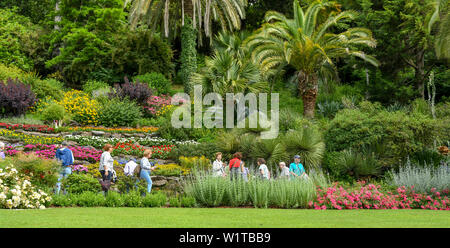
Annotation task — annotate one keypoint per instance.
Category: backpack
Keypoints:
(137, 170)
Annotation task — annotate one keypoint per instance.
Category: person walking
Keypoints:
(218, 169)
(146, 168)
(65, 156)
(245, 172)
(106, 167)
(235, 165)
(296, 168)
(2, 152)
(263, 170)
(131, 173)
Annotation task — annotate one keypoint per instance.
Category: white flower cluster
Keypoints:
(99, 142)
(18, 192)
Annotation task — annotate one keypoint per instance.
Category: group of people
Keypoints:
(236, 168)
(106, 166)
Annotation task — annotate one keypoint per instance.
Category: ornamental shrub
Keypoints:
(397, 134)
(16, 191)
(138, 92)
(15, 98)
(119, 112)
(156, 81)
(92, 86)
(43, 173)
(89, 199)
(78, 183)
(188, 202)
(174, 202)
(154, 200)
(113, 199)
(53, 112)
(83, 109)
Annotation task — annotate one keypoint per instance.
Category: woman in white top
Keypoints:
(218, 166)
(263, 170)
(106, 162)
(146, 168)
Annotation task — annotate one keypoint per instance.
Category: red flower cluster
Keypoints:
(34, 128)
(370, 197)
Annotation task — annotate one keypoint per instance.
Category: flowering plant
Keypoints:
(83, 109)
(370, 196)
(26, 127)
(79, 168)
(30, 139)
(16, 191)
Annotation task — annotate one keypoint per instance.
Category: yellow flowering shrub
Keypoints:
(196, 162)
(84, 110)
(170, 170)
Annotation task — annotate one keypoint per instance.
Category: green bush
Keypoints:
(117, 112)
(356, 164)
(132, 199)
(156, 81)
(93, 87)
(89, 199)
(399, 133)
(113, 199)
(188, 201)
(63, 200)
(202, 149)
(53, 112)
(154, 200)
(78, 183)
(174, 202)
(43, 173)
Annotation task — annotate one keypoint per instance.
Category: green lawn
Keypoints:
(220, 217)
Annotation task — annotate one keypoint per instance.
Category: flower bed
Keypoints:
(370, 196)
(30, 139)
(110, 130)
(49, 151)
(34, 128)
(160, 152)
(99, 142)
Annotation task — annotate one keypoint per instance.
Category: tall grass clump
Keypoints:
(422, 178)
(207, 190)
(212, 191)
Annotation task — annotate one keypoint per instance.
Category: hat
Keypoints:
(297, 156)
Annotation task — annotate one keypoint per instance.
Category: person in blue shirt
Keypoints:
(65, 156)
(296, 168)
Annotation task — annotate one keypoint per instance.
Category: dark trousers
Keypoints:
(105, 178)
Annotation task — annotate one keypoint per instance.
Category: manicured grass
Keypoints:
(220, 217)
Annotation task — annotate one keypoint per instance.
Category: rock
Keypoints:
(76, 133)
(140, 135)
(116, 135)
(71, 143)
(128, 135)
(159, 183)
(82, 162)
(98, 133)
(107, 135)
(86, 133)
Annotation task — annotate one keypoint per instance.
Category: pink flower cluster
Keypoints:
(49, 151)
(370, 197)
(79, 168)
(155, 103)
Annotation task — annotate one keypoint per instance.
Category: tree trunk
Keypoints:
(309, 87)
(420, 73)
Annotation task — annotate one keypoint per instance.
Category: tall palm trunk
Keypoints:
(308, 85)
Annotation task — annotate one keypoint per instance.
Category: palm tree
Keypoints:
(155, 12)
(441, 15)
(229, 70)
(306, 44)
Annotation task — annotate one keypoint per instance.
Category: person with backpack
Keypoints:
(132, 171)
(236, 165)
(106, 167)
(65, 156)
(145, 169)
